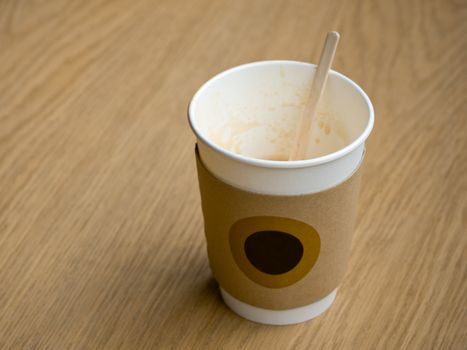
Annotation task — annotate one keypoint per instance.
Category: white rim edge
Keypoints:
(274, 163)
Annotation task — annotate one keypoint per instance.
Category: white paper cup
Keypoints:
(251, 112)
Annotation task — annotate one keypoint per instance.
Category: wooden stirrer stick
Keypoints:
(319, 83)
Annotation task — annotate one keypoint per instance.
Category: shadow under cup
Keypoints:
(278, 232)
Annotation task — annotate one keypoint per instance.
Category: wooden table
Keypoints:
(101, 233)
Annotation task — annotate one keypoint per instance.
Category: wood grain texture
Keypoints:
(101, 235)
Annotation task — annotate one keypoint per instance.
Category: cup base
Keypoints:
(278, 317)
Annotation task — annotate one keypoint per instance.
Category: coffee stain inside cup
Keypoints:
(273, 140)
(263, 126)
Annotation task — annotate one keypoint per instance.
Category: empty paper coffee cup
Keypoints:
(278, 232)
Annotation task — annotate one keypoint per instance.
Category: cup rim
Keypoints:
(278, 163)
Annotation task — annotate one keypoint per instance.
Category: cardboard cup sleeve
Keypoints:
(277, 252)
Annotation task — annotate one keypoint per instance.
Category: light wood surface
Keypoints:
(101, 234)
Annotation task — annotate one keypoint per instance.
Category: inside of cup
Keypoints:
(254, 110)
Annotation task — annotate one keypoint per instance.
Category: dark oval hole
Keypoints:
(273, 252)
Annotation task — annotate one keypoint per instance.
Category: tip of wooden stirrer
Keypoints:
(333, 37)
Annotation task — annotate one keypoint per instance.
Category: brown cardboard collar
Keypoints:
(322, 222)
